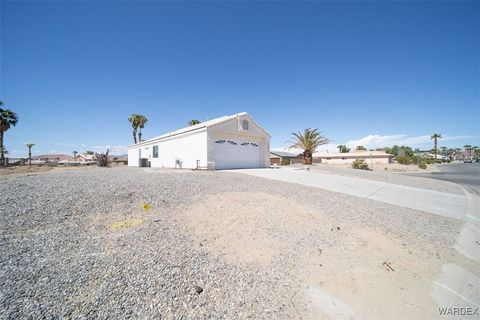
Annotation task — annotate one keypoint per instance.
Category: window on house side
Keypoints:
(245, 125)
(155, 151)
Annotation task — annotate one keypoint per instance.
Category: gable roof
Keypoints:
(199, 126)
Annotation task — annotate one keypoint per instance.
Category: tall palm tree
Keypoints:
(435, 138)
(29, 146)
(134, 121)
(308, 141)
(8, 118)
(142, 120)
(193, 122)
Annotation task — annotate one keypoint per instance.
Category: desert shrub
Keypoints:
(102, 159)
(422, 165)
(360, 164)
(429, 161)
(404, 160)
(438, 161)
(285, 162)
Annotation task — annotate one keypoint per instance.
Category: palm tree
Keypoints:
(435, 138)
(361, 148)
(308, 141)
(137, 121)
(8, 118)
(444, 150)
(193, 122)
(134, 120)
(29, 146)
(468, 148)
(142, 120)
(75, 153)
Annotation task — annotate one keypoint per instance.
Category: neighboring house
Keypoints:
(229, 142)
(79, 159)
(431, 155)
(285, 158)
(349, 157)
(118, 161)
(49, 158)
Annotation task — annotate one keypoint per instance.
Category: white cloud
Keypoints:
(378, 141)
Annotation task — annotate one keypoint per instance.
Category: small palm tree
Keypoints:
(308, 141)
(142, 120)
(8, 118)
(435, 138)
(29, 146)
(193, 122)
(468, 148)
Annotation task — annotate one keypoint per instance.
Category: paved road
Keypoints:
(441, 203)
(465, 174)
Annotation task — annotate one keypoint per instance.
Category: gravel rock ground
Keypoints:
(392, 177)
(59, 256)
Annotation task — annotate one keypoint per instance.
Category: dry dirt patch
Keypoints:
(340, 264)
(249, 227)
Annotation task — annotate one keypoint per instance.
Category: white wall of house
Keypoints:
(188, 148)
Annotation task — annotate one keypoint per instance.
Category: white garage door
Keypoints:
(234, 154)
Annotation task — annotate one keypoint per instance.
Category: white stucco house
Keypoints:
(229, 142)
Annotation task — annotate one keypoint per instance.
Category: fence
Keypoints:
(10, 162)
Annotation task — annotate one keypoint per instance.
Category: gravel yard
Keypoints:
(213, 245)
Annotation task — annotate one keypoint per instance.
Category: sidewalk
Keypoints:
(440, 203)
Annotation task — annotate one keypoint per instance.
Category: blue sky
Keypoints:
(373, 73)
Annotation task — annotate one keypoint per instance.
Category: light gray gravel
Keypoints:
(58, 257)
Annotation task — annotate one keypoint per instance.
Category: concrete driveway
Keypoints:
(441, 203)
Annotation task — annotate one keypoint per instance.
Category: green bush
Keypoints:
(429, 161)
(404, 160)
(360, 164)
(285, 162)
(422, 165)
